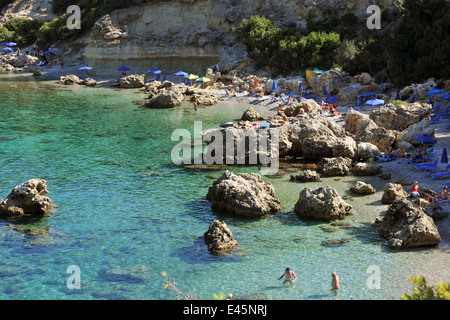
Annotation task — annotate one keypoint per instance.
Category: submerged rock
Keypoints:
(406, 225)
(219, 238)
(323, 203)
(27, 199)
(245, 194)
(306, 176)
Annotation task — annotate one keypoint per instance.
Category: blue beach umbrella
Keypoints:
(274, 85)
(325, 90)
(85, 68)
(123, 68)
(9, 44)
(413, 98)
(154, 71)
(374, 102)
(397, 96)
(48, 51)
(300, 87)
(425, 139)
(444, 158)
(180, 74)
(446, 96)
(7, 49)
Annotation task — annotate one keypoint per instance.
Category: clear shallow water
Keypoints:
(120, 203)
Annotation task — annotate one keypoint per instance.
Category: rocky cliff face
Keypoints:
(182, 34)
(32, 9)
(193, 34)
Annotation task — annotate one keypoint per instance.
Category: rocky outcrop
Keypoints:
(366, 130)
(219, 238)
(400, 117)
(367, 150)
(306, 176)
(251, 115)
(330, 167)
(70, 79)
(365, 169)
(27, 199)
(406, 225)
(361, 187)
(417, 129)
(166, 98)
(245, 194)
(334, 79)
(323, 203)
(393, 191)
(132, 81)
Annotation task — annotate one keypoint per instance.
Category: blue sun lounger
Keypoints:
(437, 176)
(427, 166)
(447, 168)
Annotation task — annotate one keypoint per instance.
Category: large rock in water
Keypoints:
(70, 79)
(407, 226)
(323, 203)
(27, 199)
(219, 238)
(245, 194)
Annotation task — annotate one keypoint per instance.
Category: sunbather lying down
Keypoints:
(444, 199)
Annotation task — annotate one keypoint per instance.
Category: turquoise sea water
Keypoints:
(123, 212)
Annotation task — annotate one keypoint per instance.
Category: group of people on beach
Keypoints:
(444, 195)
(418, 153)
(290, 278)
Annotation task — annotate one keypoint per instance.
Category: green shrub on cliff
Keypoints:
(286, 50)
(422, 291)
(6, 35)
(24, 30)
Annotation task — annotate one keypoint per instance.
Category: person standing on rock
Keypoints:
(289, 276)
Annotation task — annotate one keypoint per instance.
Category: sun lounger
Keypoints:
(427, 166)
(434, 120)
(447, 168)
(442, 175)
(436, 108)
(426, 159)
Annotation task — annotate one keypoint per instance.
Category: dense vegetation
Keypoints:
(412, 45)
(422, 291)
(20, 30)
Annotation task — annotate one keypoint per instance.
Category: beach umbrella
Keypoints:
(274, 85)
(325, 90)
(256, 82)
(123, 68)
(85, 68)
(444, 158)
(446, 97)
(203, 79)
(48, 51)
(413, 98)
(9, 44)
(180, 74)
(154, 71)
(433, 91)
(374, 102)
(7, 49)
(191, 77)
(430, 101)
(300, 87)
(425, 139)
(397, 96)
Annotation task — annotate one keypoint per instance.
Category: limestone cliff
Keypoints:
(183, 34)
(32, 9)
